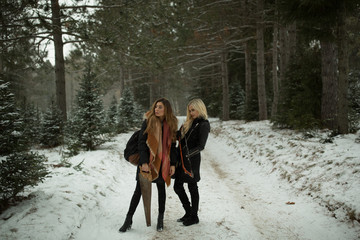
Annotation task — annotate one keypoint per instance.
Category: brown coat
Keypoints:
(149, 153)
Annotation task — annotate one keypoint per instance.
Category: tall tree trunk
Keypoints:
(329, 85)
(1, 59)
(292, 40)
(129, 77)
(287, 46)
(152, 88)
(274, 72)
(247, 76)
(225, 86)
(121, 79)
(1, 64)
(162, 83)
(343, 122)
(59, 58)
(282, 49)
(260, 61)
(155, 88)
(71, 92)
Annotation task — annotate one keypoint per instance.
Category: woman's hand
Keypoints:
(172, 170)
(145, 167)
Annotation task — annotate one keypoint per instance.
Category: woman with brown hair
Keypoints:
(157, 156)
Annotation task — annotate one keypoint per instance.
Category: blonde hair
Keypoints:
(199, 106)
(168, 116)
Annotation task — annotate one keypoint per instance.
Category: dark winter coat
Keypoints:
(191, 144)
(145, 152)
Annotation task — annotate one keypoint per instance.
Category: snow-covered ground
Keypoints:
(249, 174)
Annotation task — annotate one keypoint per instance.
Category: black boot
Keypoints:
(183, 218)
(187, 213)
(193, 219)
(160, 223)
(127, 224)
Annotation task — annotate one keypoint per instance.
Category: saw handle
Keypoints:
(145, 168)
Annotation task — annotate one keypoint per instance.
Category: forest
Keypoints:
(295, 63)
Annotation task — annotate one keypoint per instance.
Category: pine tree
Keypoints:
(138, 115)
(18, 170)
(129, 112)
(31, 127)
(87, 124)
(300, 96)
(112, 117)
(72, 134)
(354, 101)
(209, 94)
(237, 100)
(11, 124)
(51, 133)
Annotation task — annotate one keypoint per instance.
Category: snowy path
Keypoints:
(262, 200)
(238, 200)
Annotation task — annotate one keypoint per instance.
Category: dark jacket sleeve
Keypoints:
(203, 136)
(173, 154)
(178, 133)
(142, 146)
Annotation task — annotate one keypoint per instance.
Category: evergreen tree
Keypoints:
(129, 112)
(18, 170)
(72, 133)
(237, 101)
(300, 96)
(87, 124)
(31, 127)
(11, 125)
(112, 117)
(210, 93)
(138, 115)
(354, 101)
(52, 127)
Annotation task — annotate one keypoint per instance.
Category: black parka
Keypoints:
(191, 144)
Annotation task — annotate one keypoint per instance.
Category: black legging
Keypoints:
(137, 195)
(194, 193)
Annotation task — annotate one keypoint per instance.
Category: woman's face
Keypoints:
(159, 110)
(193, 113)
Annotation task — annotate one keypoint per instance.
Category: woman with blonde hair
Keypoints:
(193, 135)
(157, 148)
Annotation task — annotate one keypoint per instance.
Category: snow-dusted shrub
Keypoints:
(130, 114)
(12, 136)
(52, 127)
(85, 128)
(112, 118)
(354, 101)
(17, 171)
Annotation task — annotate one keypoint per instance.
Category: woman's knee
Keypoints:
(178, 187)
(193, 187)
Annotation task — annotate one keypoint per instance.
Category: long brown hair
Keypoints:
(168, 116)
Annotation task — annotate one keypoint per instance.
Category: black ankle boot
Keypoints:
(193, 219)
(188, 211)
(127, 224)
(160, 223)
(183, 218)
